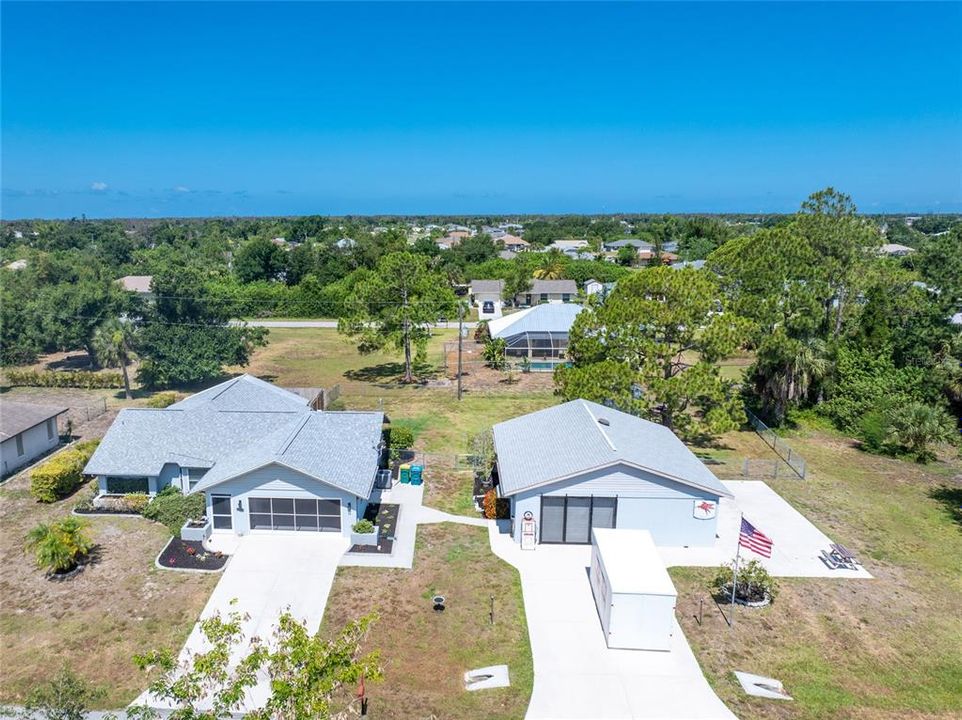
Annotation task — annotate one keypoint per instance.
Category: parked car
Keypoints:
(487, 307)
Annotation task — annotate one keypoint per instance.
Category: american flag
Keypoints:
(754, 539)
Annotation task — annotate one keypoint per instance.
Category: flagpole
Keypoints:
(738, 549)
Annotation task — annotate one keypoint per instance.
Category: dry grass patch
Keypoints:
(425, 653)
(94, 623)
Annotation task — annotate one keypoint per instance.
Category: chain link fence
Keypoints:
(791, 458)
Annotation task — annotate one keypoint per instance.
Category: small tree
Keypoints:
(308, 676)
(65, 697)
(59, 547)
(482, 333)
(481, 448)
(494, 353)
(111, 344)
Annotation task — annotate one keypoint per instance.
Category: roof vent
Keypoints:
(603, 421)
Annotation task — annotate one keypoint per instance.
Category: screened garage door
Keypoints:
(279, 513)
(570, 519)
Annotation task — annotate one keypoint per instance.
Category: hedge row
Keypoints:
(61, 474)
(65, 379)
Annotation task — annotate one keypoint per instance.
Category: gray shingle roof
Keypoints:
(567, 440)
(554, 286)
(15, 417)
(240, 425)
(487, 286)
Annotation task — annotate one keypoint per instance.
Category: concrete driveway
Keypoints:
(576, 674)
(268, 574)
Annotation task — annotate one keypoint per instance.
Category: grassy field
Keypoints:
(884, 648)
(94, 623)
(425, 653)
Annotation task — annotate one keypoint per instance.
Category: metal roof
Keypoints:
(240, 425)
(570, 439)
(16, 417)
(547, 317)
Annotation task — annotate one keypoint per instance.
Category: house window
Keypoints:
(50, 429)
(127, 485)
(527, 299)
(19, 444)
(220, 512)
(544, 297)
(566, 297)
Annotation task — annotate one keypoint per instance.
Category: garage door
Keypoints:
(278, 513)
(570, 519)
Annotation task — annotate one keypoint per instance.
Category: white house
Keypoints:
(137, 284)
(266, 461)
(568, 245)
(547, 291)
(580, 465)
(539, 334)
(27, 431)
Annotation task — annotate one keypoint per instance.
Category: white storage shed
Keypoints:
(633, 592)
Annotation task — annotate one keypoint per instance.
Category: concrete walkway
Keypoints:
(326, 324)
(576, 675)
(266, 575)
(797, 543)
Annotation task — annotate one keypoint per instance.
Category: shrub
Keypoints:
(363, 526)
(61, 546)
(402, 437)
(84, 379)
(172, 508)
(62, 474)
(496, 508)
(65, 697)
(134, 503)
(754, 583)
(162, 400)
(494, 354)
(482, 333)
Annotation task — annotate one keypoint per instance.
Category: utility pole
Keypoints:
(460, 343)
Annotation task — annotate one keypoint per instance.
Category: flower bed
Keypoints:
(384, 516)
(188, 555)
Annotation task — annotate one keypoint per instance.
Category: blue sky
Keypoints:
(206, 109)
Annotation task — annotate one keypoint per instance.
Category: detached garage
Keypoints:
(580, 465)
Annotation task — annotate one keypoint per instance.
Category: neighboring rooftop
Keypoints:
(578, 436)
(239, 425)
(556, 287)
(487, 287)
(547, 317)
(136, 283)
(17, 417)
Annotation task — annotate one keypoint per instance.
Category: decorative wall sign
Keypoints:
(705, 509)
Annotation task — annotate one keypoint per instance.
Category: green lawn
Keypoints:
(884, 648)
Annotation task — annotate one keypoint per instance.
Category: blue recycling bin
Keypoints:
(417, 474)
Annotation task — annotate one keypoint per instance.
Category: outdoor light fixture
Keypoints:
(240, 506)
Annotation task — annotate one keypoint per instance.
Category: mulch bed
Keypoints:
(105, 511)
(385, 516)
(190, 555)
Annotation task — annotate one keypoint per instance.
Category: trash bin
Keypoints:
(417, 474)
(404, 473)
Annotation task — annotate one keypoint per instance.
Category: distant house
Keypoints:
(956, 319)
(461, 233)
(539, 333)
(449, 241)
(567, 245)
(594, 287)
(139, 284)
(647, 256)
(16, 265)
(495, 233)
(694, 264)
(482, 290)
(345, 243)
(580, 465)
(896, 250)
(507, 254)
(27, 431)
(514, 243)
(616, 245)
(548, 291)
(263, 457)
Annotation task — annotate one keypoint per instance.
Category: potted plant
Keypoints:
(61, 547)
(364, 532)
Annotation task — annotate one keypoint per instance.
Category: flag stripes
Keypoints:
(755, 540)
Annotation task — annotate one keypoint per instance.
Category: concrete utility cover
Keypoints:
(761, 686)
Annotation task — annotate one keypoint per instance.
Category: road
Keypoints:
(324, 324)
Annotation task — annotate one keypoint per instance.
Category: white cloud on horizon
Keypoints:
(181, 189)
(98, 186)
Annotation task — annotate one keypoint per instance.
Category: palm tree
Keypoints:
(59, 547)
(111, 345)
(551, 266)
(802, 365)
(918, 426)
